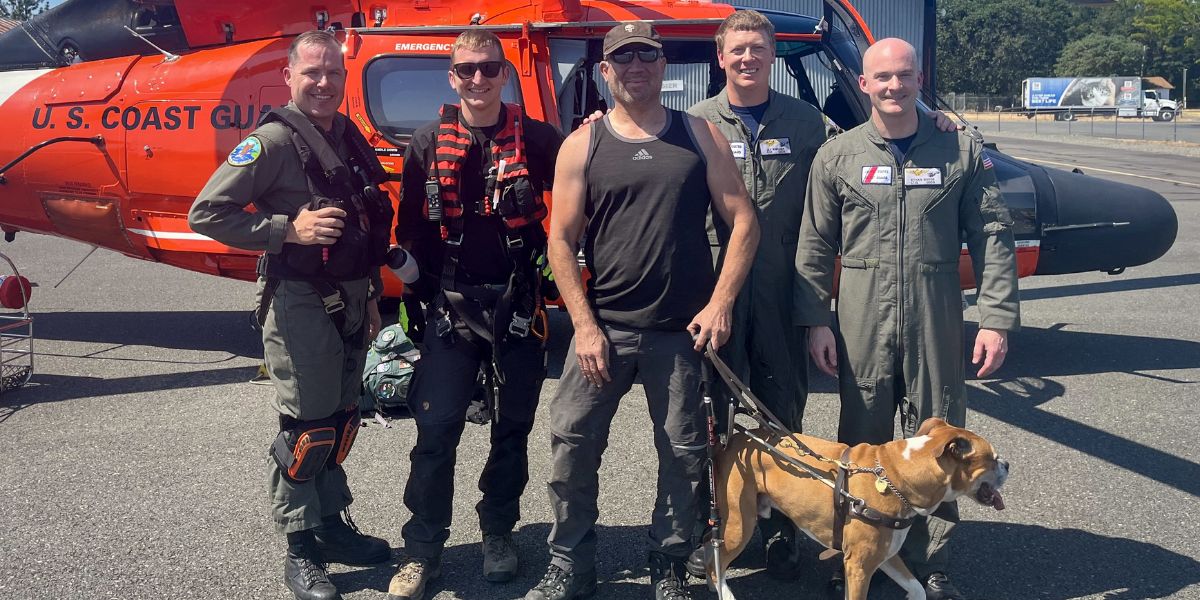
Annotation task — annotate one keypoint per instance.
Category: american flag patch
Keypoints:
(987, 162)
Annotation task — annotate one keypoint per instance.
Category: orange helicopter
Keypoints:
(119, 110)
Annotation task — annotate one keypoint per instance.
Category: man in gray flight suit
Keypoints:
(898, 198)
(773, 138)
(323, 237)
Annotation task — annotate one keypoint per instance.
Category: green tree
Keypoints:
(989, 47)
(22, 9)
(1099, 55)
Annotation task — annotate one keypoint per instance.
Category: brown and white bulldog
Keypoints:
(941, 463)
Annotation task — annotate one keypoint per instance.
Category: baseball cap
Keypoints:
(633, 32)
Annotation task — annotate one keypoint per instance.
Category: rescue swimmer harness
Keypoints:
(351, 185)
(846, 505)
(508, 194)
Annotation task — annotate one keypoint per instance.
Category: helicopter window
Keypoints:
(801, 69)
(405, 92)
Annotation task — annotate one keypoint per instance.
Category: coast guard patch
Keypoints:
(246, 152)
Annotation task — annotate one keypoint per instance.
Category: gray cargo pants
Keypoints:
(580, 418)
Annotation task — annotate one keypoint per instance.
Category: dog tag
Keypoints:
(881, 486)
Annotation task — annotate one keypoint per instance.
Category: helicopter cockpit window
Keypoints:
(405, 92)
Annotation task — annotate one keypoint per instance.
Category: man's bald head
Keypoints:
(891, 78)
(891, 48)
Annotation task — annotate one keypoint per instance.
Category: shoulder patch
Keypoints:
(246, 152)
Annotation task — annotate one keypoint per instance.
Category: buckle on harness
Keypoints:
(514, 242)
(520, 326)
(333, 303)
(455, 241)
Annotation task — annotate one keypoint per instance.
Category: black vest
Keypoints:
(351, 185)
(646, 245)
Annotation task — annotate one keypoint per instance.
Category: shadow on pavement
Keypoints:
(44, 388)
(998, 561)
(210, 331)
(1112, 285)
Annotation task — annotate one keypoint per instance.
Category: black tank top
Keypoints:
(646, 244)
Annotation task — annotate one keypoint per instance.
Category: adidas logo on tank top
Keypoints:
(642, 155)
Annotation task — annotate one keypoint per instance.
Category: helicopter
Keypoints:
(119, 110)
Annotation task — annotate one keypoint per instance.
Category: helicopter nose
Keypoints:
(1093, 224)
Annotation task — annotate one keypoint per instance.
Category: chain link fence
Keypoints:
(978, 102)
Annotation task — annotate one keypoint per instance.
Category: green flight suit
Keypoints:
(314, 370)
(900, 230)
(764, 348)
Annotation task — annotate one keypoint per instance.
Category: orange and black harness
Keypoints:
(509, 195)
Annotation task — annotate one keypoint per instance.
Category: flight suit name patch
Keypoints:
(877, 175)
(246, 152)
(922, 177)
(775, 146)
(738, 149)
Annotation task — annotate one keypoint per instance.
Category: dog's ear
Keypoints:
(929, 425)
(958, 448)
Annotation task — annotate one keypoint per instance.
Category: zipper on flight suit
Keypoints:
(900, 222)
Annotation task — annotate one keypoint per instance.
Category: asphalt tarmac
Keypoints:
(133, 465)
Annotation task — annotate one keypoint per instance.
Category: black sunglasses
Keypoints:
(626, 57)
(467, 70)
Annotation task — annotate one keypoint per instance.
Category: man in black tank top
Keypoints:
(638, 186)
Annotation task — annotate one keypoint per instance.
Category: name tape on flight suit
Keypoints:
(877, 175)
(738, 149)
(774, 146)
(922, 177)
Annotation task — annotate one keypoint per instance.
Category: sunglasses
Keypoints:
(467, 70)
(626, 57)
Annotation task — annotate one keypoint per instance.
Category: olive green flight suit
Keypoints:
(900, 229)
(315, 372)
(764, 348)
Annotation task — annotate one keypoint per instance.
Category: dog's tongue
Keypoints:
(997, 499)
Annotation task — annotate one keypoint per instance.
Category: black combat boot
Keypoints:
(783, 556)
(304, 573)
(558, 584)
(939, 587)
(343, 543)
(668, 576)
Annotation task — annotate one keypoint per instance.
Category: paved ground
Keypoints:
(133, 465)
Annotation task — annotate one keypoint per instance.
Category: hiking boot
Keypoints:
(411, 578)
(558, 584)
(306, 578)
(783, 558)
(668, 576)
(939, 587)
(343, 543)
(499, 557)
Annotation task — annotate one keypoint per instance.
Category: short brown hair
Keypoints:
(477, 40)
(316, 37)
(745, 20)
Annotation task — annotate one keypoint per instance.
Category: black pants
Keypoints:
(443, 384)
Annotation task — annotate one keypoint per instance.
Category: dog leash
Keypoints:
(845, 468)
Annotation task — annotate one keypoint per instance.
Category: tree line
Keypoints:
(990, 47)
(22, 9)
